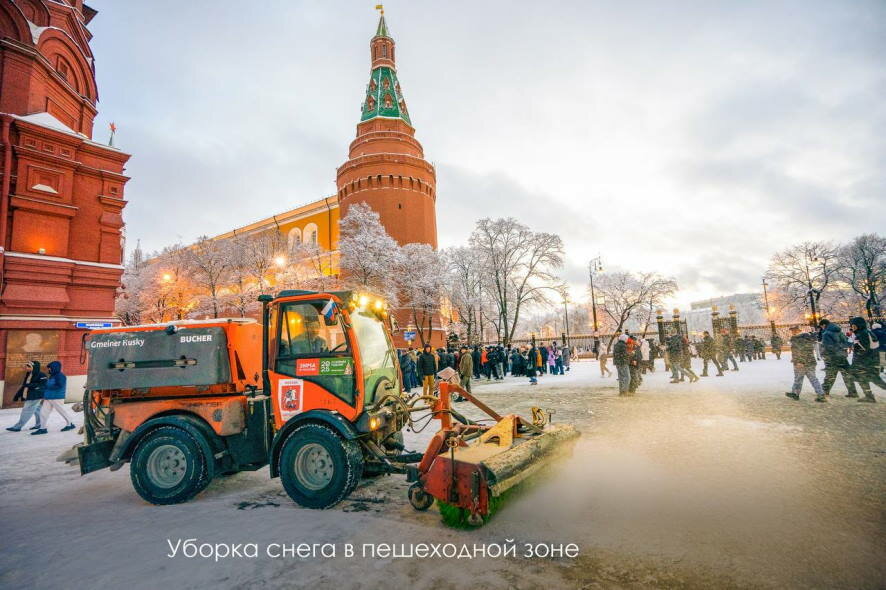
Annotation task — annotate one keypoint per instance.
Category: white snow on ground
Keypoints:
(721, 483)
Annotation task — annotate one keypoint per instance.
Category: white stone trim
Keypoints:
(53, 318)
(60, 259)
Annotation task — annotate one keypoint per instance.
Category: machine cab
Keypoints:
(329, 351)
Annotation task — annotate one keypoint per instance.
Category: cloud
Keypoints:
(692, 142)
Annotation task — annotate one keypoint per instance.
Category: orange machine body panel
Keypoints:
(226, 415)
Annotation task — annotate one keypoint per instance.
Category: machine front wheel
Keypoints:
(419, 498)
(168, 466)
(318, 467)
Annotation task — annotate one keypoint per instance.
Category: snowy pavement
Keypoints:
(722, 483)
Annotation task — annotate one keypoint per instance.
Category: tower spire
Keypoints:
(384, 97)
(382, 30)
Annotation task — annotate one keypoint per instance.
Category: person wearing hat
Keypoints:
(834, 346)
(465, 370)
(803, 359)
(427, 369)
(865, 359)
(621, 359)
(54, 398)
(31, 391)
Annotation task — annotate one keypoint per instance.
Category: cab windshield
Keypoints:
(376, 353)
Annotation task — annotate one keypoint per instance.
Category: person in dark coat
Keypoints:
(476, 356)
(516, 363)
(427, 369)
(622, 364)
(54, 398)
(708, 352)
(865, 359)
(31, 392)
(759, 348)
(834, 348)
(407, 366)
(544, 358)
(879, 333)
(532, 362)
(635, 365)
(803, 359)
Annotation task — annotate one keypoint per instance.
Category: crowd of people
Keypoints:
(861, 344)
(493, 362)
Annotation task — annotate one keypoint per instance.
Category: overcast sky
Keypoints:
(689, 138)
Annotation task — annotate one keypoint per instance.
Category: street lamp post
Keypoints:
(566, 318)
(595, 266)
(766, 303)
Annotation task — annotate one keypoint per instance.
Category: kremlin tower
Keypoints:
(386, 168)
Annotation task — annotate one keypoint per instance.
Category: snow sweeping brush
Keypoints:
(469, 468)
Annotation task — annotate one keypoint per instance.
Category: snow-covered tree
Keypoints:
(130, 303)
(464, 289)
(627, 295)
(243, 285)
(368, 255)
(210, 262)
(862, 265)
(419, 280)
(262, 254)
(804, 271)
(518, 265)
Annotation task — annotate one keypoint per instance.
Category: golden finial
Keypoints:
(380, 8)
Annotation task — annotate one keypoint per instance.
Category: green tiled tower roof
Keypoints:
(384, 97)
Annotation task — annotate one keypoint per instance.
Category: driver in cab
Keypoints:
(311, 341)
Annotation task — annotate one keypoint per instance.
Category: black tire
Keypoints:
(419, 498)
(335, 473)
(160, 456)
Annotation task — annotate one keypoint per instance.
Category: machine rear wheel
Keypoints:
(318, 467)
(168, 466)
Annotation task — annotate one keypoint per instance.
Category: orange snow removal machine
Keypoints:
(313, 390)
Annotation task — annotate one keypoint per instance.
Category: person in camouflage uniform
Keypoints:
(803, 359)
(708, 352)
(726, 346)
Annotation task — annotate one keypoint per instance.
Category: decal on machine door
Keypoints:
(324, 367)
(290, 393)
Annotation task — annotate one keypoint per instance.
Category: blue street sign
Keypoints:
(409, 335)
(93, 325)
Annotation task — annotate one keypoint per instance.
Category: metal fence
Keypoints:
(585, 343)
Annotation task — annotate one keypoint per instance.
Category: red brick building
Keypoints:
(61, 198)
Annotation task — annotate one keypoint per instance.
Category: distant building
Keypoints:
(748, 307)
(61, 198)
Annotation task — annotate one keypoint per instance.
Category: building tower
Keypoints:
(386, 168)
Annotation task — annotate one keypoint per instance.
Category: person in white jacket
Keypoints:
(645, 352)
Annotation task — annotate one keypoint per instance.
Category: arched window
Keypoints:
(311, 234)
(294, 238)
(384, 50)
